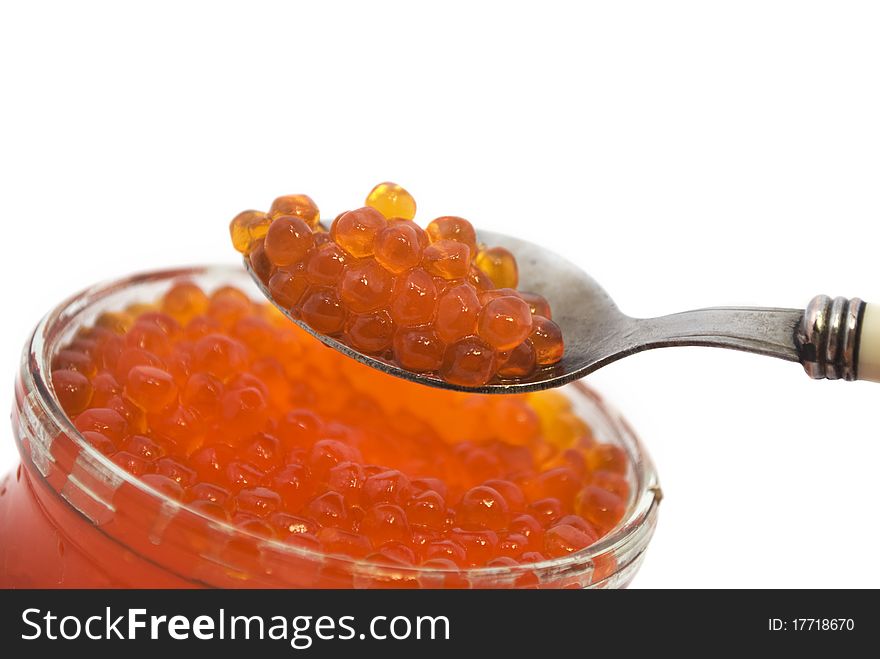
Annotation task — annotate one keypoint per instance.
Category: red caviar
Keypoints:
(223, 404)
(430, 300)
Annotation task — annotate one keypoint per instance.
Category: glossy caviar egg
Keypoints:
(427, 509)
(414, 299)
(73, 389)
(419, 350)
(370, 333)
(185, 301)
(505, 322)
(483, 506)
(563, 539)
(288, 240)
(74, 360)
(601, 508)
(546, 337)
(538, 304)
(468, 362)
(151, 389)
(519, 362)
(479, 279)
(392, 200)
(421, 234)
(397, 247)
(325, 265)
(288, 286)
(260, 264)
(456, 229)
(299, 205)
(246, 228)
(607, 458)
(385, 522)
(499, 265)
(356, 231)
(448, 259)
(366, 286)
(457, 312)
(323, 310)
(612, 482)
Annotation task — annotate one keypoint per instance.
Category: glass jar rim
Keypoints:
(634, 529)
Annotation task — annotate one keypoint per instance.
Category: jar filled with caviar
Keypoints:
(176, 432)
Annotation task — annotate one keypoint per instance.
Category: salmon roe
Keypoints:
(221, 403)
(429, 300)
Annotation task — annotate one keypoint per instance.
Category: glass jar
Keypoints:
(70, 517)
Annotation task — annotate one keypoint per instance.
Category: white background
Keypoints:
(684, 153)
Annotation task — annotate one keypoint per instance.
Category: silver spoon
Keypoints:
(834, 339)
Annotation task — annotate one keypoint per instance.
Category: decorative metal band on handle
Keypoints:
(827, 338)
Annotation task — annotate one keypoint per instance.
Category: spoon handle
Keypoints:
(834, 338)
(761, 330)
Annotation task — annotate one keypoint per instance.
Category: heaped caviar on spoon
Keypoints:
(431, 301)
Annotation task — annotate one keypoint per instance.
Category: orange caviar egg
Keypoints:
(457, 312)
(117, 322)
(415, 299)
(356, 231)
(421, 234)
(418, 350)
(150, 388)
(601, 508)
(495, 293)
(427, 509)
(260, 263)
(448, 259)
(546, 337)
(366, 286)
(386, 522)
(505, 322)
(499, 265)
(185, 301)
(323, 311)
(484, 506)
(108, 422)
(538, 304)
(325, 265)
(608, 458)
(247, 228)
(612, 482)
(227, 305)
(374, 279)
(398, 248)
(564, 430)
(287, 240)
(74, 360)
(370, 333)
(548, 404)
(479, 279)
(392, 200)
(519, 362)
(453, 228)
(563, 539)
(299, 205)
(288, 286)
(73, 390)
(468, 362)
